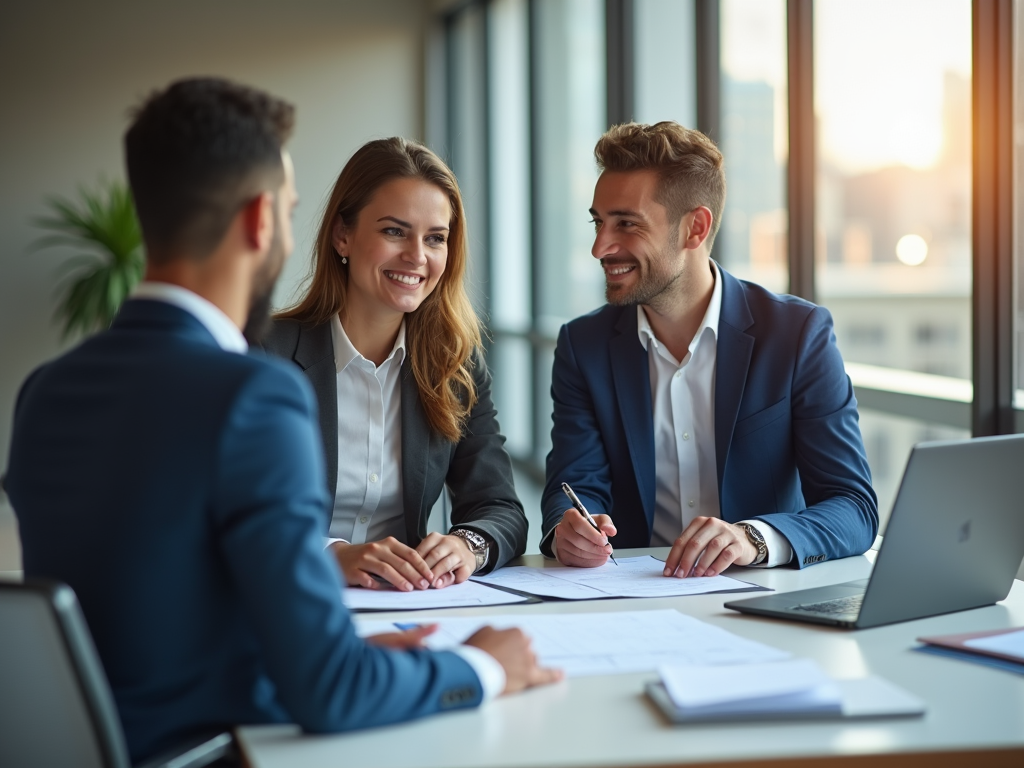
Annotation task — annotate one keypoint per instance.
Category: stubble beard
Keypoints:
(257, 324)
(649, 286)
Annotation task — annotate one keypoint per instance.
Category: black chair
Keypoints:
(56, 708)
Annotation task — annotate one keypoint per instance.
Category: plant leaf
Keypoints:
(104, 229)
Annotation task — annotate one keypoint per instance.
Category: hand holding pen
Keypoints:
(575, 540)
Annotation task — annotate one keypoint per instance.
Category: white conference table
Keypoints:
(975, 714)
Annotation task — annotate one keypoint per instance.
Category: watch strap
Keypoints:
(757, 539)
(477, 543)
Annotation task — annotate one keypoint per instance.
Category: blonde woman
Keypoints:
(391, 345)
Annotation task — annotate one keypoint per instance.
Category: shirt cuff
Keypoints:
(780, 551)
(328, 541)
(487, 668)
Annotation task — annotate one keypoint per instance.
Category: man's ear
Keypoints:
(695, 227)
(258, 221)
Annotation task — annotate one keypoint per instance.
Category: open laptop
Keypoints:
(955, 540)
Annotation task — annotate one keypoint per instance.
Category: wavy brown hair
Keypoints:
(443, 331)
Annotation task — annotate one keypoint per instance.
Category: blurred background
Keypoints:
(846, 127)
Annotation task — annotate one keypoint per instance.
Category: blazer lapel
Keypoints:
(415, 451)
(632, 378)
(314, 353)
(733, 360)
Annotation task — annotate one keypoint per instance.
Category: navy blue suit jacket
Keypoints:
(180, 490)
(787, 441)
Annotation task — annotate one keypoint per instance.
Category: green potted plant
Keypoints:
(103, 227)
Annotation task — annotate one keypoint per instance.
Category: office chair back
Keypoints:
(56, 708)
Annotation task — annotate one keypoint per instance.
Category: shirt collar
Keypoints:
(345, 352)
(224, 331)
(710, 321)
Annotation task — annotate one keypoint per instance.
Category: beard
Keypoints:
(258, 322)
(651, 280)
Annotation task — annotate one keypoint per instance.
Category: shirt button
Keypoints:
(686, 435)
(373, 477)
(689, 503)
(678, 374)
(363, 519)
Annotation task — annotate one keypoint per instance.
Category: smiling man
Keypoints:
(695, 410)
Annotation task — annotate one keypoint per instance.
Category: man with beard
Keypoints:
(696, 410)
(177, 484)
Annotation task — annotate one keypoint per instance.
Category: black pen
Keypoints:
(583, 511)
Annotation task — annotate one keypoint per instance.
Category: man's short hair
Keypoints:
(196, 153)
(689, 166)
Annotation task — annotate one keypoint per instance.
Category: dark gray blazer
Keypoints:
(477, 469)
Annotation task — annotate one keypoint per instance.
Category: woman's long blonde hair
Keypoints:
(443, 332)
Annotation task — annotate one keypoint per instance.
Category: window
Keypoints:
(569, 118)
(666, 68)
(511, 306)
(893, 104)
(467, 140)
(752, 243)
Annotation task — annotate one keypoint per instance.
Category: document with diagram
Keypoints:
(632, 577)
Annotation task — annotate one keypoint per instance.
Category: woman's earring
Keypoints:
(344, 259)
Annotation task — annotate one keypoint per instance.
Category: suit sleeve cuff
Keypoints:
(780, 551)
(547, 544)
(487, 668)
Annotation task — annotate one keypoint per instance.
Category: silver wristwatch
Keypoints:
(477, 544)
(757, 540)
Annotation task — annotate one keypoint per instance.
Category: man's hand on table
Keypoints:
(707, 547)
(511, 648)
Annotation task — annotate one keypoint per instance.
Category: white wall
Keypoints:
(70, 71)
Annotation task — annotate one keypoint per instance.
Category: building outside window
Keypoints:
(893, 244)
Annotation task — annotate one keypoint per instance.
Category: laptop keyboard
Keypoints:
(838, 606)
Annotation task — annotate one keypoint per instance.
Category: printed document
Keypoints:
(464, 595)
(606, 643)
(1006, 644)
(632, 577)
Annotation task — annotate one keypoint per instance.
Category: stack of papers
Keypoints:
(784, 690)
(783, 687)
(632, 577)
(584, 644)
(1000, 648)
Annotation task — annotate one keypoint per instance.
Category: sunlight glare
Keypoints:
(912, 250)
(915, 140)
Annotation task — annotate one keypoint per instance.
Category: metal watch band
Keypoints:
(758, 541)
(478, 545)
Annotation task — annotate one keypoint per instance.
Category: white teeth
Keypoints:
(619, 270)
(407, 279)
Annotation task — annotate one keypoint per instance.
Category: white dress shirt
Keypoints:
(224, 331)
(683, 398)
(368, 502)
(368, 498)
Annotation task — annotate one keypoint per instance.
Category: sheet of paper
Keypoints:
(632, 577)
(707, 686)
(464, 595)
(1008, 644)
(608, 643)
